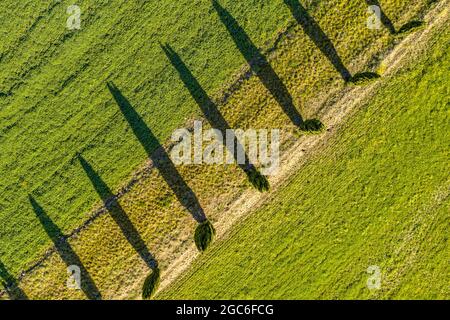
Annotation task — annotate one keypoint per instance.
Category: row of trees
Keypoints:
(204, 232)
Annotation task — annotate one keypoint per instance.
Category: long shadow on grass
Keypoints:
(10, 285)
(383, 17)
(65, 251)
(213, 115)
(118, 214)
(318, 36)
(159, 156)
(259, 65)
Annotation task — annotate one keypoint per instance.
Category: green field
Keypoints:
(377, 195)
(54, 103)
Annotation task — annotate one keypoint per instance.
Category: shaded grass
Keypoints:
(65, 251)
(151, 284)
(411, 26)
(13, 291)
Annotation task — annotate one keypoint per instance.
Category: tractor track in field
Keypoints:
(333, 111)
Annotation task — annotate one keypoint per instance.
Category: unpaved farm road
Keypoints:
(333, 114)
(335, 109)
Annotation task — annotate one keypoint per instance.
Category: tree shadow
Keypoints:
(65, 251)
(212, 114)
(383, 17)
(259, 65)
(10, 284)
(118, 214)
(410, 26)
(159, 156)
(318, 36)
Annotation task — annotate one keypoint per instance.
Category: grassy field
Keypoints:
(54, 102)
(377, 195)
(54, 99)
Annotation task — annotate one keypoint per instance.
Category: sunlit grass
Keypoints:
(377, 195)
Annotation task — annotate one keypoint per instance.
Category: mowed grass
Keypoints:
(377, 195)
(60, 105)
